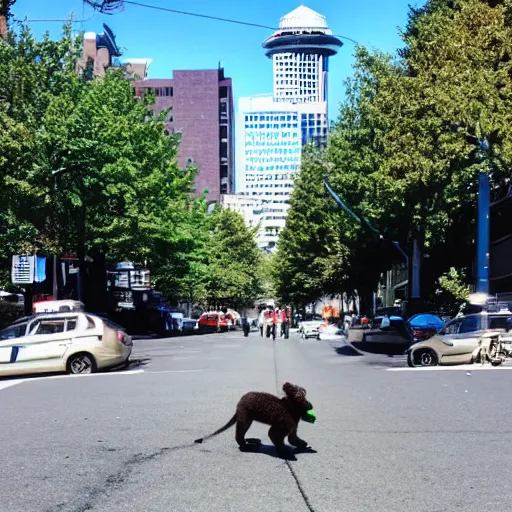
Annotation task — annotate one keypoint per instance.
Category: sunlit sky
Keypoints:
(176, 41)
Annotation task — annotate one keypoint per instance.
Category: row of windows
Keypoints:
(312, 116)
(278, 167)
(272, 159)
(270, 184)
(268, 177)
(294, 57)
(269, 126)
(254, 137)
(161, 91)
(255, 144)
(270, 194)
(271, 117)
(272, 151)
(270, 169)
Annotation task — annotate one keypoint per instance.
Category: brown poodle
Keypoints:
(282, 414)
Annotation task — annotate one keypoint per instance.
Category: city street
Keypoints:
(387, 438)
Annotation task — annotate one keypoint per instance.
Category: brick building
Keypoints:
(202, 111)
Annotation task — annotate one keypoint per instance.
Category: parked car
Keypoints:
(190, 326)
(72, 342)
(310, 329)
(456, 342)
(388, 329)
(213, 322)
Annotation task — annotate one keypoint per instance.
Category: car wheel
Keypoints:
(423, 357)
(81, 364)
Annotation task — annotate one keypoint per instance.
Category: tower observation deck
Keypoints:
(300, 49)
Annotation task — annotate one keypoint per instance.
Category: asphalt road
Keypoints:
(386, 438)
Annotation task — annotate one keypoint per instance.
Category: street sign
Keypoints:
(23, 268)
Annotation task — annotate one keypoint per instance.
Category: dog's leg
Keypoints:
(295, 440)
(242, 426)
(277, 436)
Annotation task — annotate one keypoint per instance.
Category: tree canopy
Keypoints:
(399, 154)
(85, 166)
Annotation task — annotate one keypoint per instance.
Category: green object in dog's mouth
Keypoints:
(309, 416)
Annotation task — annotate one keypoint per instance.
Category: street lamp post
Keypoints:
(483, 207)
(55, 286)
(483, 226)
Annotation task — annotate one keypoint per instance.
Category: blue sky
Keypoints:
(182, 42)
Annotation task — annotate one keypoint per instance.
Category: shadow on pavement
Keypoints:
(347, 350)
(383, 348)
(134, 364)
(270, 450)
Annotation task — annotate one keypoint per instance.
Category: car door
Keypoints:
(48, 338)
(466, 335)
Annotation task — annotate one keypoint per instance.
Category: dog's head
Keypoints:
(297, 396)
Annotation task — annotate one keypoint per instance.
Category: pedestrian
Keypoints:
(246, 326)
(275, 321)
(285, 323)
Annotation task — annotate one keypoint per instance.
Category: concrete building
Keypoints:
(245, 205)
(202, 111)
(273, 128)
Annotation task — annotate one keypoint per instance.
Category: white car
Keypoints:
(75, 342)
(310, 328)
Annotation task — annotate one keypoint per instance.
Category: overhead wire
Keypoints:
(183, 13)
(217, 18)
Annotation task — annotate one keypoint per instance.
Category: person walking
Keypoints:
(285, 318)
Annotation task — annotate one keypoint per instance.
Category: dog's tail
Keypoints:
(229, 424)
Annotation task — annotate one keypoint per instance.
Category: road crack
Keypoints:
(116, 480)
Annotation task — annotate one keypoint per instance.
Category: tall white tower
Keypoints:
(271, 129)
(300, 51)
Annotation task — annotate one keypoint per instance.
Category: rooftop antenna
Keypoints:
(106, 6)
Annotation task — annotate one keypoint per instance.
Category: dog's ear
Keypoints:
(294, 392)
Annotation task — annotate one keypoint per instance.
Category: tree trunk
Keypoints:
(3, 27)
(5, 6)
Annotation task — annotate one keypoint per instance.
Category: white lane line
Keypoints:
(9, 383)
(51, 377)
(465, 367)
(181, 371)
(226, 346)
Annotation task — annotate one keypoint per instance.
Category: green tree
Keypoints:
(234, 263)
(394, 155)
(311, 254)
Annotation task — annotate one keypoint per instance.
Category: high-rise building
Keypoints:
(202, 111)
(271, 129)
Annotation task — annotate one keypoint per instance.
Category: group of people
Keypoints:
(278, 320)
